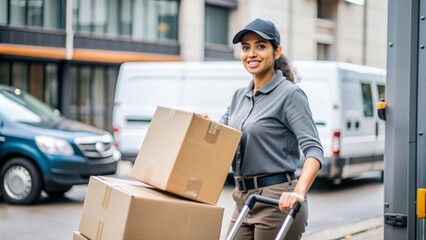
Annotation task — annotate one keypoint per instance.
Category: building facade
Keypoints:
(68, 52)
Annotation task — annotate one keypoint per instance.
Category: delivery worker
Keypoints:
(274, 116)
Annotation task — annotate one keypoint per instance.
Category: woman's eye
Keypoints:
(261, 46)
(245, 48)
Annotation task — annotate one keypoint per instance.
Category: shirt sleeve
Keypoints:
(225, 117)
(299, 119)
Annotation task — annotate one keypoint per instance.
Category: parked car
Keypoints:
(41, 150)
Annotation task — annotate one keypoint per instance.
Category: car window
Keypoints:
(22, 107)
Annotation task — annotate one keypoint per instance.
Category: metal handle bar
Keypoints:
(249, 204)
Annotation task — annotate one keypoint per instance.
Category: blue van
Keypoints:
(40, 150)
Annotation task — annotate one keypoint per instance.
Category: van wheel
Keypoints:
(20, 181)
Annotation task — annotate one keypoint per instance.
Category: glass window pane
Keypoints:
(216, 25)
(112, 79)
(84, 15)
(51, 88)
(99, 97)
(138, 19)
(3, 12)
(85, 95)
(151, 21)
(126, 17)
(51, 10)
(367, 99)
(17, 12)
(36, 81)
(100, 16)
(20, 75)
(35, 13)
(4, 73)
(73, 92)
(167, 20)
(112, 17)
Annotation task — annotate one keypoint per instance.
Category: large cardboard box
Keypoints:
(186, 154)
(122, 209)
(77, 236)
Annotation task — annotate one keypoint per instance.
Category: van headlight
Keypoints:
(55, 146)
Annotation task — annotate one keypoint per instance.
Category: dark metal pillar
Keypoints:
(402, 118)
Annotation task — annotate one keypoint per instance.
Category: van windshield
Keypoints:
(19, 106)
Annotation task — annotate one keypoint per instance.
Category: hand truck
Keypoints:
(249, 204)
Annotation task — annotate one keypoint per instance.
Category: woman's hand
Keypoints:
(288, 199)
(204, 115)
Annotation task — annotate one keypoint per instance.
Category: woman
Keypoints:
(274, 116)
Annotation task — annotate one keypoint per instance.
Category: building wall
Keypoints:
(301, 30)
(72, 83)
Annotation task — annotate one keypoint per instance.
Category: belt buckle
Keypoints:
(239, 180)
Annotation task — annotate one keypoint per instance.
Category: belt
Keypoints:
(247, 183)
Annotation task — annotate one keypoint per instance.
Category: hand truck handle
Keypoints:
(249, 204)
(257, 198)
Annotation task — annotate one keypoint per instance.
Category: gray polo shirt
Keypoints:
(275, 121)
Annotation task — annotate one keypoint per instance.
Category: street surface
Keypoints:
(329, 206)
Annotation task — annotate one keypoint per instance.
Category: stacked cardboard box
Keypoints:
(185, 160)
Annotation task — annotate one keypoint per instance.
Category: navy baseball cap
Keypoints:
(264, 28)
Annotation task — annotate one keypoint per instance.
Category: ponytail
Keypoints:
(283, 64)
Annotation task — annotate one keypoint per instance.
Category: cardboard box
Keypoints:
(186, 154)
(77, 236)
(123, 209)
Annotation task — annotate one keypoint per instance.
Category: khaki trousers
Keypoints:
(264, 221)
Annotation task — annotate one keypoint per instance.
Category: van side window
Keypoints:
(381, 91)
(367, 99)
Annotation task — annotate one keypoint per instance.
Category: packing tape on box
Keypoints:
(169, 121)
(193, 187)
(212, 133)
(107, 195)
(100, 230)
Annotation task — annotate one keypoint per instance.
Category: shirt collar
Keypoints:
(269, 87)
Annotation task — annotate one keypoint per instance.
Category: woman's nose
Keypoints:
(252, 53)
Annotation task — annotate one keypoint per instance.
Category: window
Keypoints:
(51, 18)
(3, 12)
(17, 13)
(323, 51)
(37, 13)
(216, 25)
(36, 80)
(51, 85)
(139, 19)
(367, 99)
(327, 9)
(92, 94)
(126, 17)
(20, 75)
(98, 97)
(4, 73)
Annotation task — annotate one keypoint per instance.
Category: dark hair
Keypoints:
(283, 64)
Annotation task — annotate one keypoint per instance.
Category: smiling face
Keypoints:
(258, 55)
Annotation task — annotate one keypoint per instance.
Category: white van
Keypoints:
(342, 98)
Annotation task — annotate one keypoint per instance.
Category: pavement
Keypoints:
(366, 229)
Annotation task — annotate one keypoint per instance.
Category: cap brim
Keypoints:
(239, 36)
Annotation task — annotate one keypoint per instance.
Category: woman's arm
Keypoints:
(309, 172)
